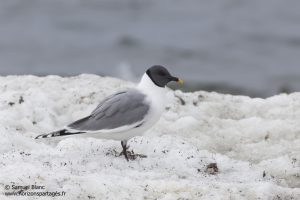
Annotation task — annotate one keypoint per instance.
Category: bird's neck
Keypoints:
(147, 85)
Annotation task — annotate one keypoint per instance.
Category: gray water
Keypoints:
(234, 46)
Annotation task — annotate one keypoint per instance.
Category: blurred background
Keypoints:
(249, 47)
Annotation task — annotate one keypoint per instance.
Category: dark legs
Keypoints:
(129, 154)
(125, 148)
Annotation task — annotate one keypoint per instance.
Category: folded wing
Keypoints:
(122, 109)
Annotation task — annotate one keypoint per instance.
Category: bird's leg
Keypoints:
(125, 148)
(129, 154)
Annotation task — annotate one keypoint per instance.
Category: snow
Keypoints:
(254, 142)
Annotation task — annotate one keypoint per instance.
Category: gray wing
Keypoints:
(121, 109)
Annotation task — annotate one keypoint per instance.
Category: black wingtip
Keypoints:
(53, 134)
(63, 132)
(38, 137)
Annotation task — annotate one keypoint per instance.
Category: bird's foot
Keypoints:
(130, 155)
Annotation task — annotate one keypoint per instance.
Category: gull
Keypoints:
(125, 114)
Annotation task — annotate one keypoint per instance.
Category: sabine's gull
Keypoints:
(125, 114)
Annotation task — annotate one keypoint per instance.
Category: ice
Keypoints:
(255, 144)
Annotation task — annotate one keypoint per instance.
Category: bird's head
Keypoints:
(160, 76)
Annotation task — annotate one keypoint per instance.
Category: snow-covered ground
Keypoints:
(255, 144)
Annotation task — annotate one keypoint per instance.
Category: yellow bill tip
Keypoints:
(180, 81)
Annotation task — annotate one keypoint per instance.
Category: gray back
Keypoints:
(120, 109)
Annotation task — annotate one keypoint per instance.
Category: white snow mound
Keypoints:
(255, 144)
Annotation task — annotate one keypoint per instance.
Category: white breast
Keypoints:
(156, 97)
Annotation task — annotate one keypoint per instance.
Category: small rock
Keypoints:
(212, 168)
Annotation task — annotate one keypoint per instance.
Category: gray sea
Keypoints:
(247, 47)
